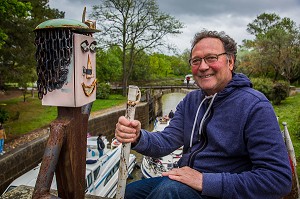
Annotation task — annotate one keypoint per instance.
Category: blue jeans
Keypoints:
(1, 145)
(160, 188)
(100, 153)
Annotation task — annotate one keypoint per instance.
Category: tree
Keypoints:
(291, 69)
(109, 66)
(17, 62)
(135, 26)
(180, 64)
(276, 44)
(10, 9)
(141, 68)
(160, 65)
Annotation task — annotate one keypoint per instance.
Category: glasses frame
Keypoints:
(205, 59)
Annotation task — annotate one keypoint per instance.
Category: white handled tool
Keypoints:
(134, 96)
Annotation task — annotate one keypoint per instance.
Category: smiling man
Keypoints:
(212, 66)
(233, 147)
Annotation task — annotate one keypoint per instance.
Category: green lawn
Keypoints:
(289, 111)
(30, 115)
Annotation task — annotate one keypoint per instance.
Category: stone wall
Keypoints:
(20, 160)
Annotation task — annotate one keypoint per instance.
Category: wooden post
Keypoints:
(65, 155)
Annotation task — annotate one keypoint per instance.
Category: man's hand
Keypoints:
(186, 175)
(127, 131)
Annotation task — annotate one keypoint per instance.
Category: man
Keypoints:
(233, 147)
(171, 114)
(100, 145)
(187, 81)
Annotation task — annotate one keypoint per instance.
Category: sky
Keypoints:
(230, 16)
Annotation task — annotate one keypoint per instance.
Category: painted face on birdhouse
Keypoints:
(66, 68)
(88, 54)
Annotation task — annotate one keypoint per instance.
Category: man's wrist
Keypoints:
(137, 140)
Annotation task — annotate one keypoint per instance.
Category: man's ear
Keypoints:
(231, 63)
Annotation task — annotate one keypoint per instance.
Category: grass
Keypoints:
(289, 111)
(30, 115)
(107, 103)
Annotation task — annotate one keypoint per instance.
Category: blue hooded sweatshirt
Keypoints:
(233, 138)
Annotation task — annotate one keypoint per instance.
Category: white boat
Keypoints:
(153, 167)
(160, 123)
(101, 173)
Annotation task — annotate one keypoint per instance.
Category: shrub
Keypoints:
(280, 91)
(3, 115)
(263, 85)
(274, 91)
(103, 91)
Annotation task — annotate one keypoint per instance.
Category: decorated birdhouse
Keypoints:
(66, 62)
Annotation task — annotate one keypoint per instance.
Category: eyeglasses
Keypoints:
(209, 59)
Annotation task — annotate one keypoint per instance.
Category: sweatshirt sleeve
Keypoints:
(270, 175)
(158, 144)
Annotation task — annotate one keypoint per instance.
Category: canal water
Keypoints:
(169, 102)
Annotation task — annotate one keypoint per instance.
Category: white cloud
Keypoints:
(231, 16)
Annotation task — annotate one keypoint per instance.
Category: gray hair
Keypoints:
(229, 44)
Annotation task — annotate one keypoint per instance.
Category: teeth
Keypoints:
(206, 76)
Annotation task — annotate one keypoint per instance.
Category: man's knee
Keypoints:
(171, 186)
(174, 189)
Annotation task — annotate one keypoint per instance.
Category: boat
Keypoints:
(101, 173)
(161, 123)
(153, 167)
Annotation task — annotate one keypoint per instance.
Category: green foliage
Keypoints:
(109, 65)
(9, 10)
(180, 65)
(142, 68)
(274, 91)
(275, 49)
(3, 115)
(17, 61)
(147, 67)
(263, 85)
(280, 91)
(160, 66)
(103, 91)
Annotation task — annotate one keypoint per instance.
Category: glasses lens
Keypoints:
(195, 61)
(211, 59)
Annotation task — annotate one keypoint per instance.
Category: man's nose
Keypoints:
(203, 65)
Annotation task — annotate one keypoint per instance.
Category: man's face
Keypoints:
(212, 77)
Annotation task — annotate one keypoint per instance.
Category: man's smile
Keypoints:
(205, 76)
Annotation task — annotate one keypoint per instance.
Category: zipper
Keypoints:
(193, 155)
(205, 142)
